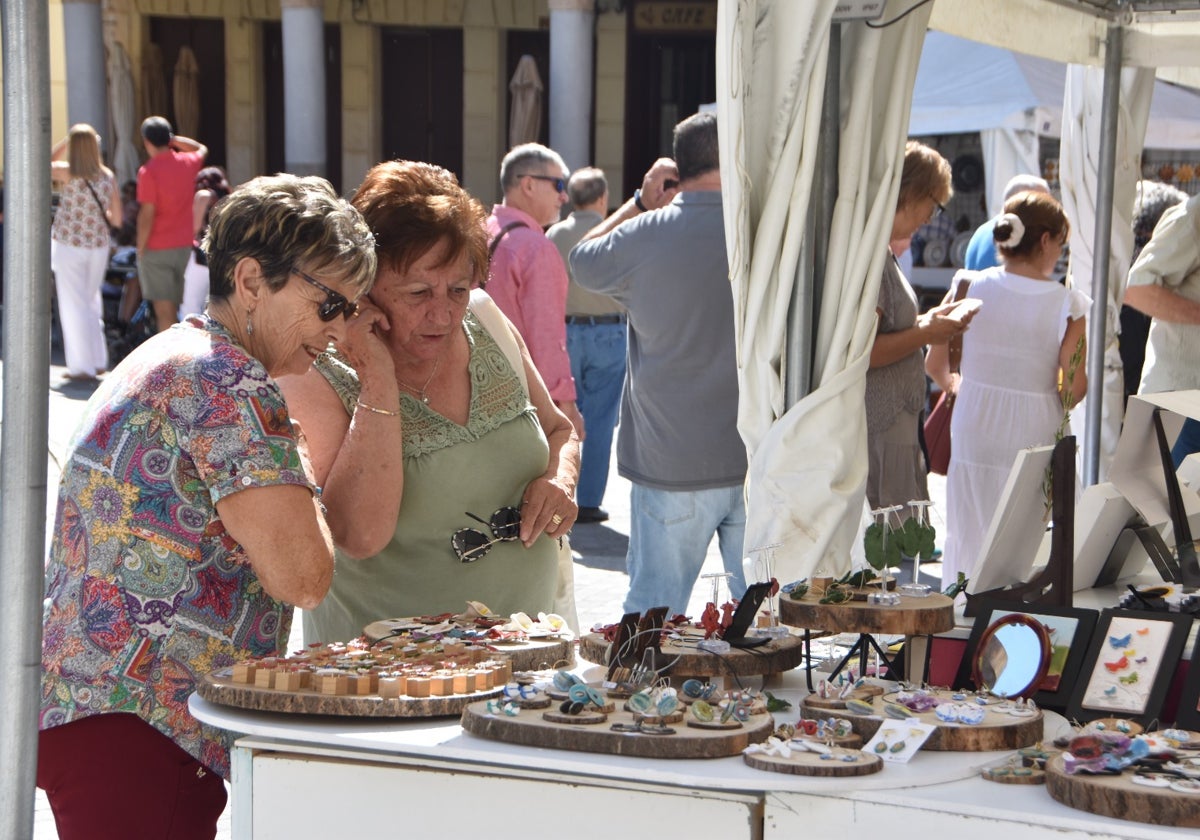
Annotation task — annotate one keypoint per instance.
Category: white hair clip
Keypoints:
(1018, 230)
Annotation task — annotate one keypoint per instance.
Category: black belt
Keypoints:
(593, 320)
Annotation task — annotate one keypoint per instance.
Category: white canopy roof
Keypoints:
(964, 86)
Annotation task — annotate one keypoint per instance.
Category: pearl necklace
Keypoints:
(421, 392)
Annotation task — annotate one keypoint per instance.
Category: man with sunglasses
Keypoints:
(527, 277)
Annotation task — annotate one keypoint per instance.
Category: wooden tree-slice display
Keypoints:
(998, 731)
(1014, 775)
(911, 617)
(805, 763)
(1119, 797)
(530, 654)
(533, 730)
(774, 657)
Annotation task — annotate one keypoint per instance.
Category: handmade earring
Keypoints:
(249, 324)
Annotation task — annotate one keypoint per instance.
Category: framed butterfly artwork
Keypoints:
(1129, 665)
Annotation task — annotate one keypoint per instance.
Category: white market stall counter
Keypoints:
(298, 777)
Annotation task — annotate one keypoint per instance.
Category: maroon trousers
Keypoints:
(115, 776)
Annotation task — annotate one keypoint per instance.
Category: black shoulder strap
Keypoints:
(99, 203)
(503, 232)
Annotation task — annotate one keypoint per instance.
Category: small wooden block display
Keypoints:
(804, 763)
(997, 732)
(911, 617)
(536, 730)
(774, 657)
(312, 701)
(1120, 798)
(357, 679)
(526, 654)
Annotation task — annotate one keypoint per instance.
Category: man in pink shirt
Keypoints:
(165, 186)
(527, 277)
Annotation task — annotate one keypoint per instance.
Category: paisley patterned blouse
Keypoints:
(78, 221)
(146, 591)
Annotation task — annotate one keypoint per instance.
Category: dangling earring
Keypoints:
(249, 324)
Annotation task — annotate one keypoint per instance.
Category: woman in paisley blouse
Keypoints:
(422, 424)
(188, 522)
(79, 247)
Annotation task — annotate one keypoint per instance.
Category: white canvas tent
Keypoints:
(1012, 99)
(810, 322)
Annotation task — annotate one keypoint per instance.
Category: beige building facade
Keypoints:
(427, 79)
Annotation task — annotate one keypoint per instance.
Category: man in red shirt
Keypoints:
(165, 187)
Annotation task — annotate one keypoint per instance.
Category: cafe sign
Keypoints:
(858, 10)
(675, 17)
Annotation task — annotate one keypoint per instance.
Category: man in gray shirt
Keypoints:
(595, 343)
(662, 257)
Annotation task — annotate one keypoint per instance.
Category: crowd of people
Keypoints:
(341, 389)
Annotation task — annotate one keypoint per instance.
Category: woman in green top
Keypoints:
(419, 427)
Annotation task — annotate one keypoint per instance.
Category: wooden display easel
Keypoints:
(1054, 585)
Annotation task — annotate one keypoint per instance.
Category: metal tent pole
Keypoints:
(23, 439)
(1097, 328)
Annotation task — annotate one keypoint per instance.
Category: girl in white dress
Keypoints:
(1013, 383)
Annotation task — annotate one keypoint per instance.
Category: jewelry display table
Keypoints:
(289, 765)
(914, 618)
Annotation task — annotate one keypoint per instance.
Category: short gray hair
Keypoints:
(527, 159)
(587, 186)
(1025, 183)
(285, 222)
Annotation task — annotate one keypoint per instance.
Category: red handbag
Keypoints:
(937, 434)
(937, 424)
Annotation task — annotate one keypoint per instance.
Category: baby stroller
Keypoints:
(128, 320)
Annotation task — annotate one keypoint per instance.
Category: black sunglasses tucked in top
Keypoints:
(470, 544)
(334, 304)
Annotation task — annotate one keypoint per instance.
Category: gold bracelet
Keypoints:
(375, 410)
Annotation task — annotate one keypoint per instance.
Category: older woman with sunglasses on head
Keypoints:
(896, 379)
(446, 475)
(188, 520)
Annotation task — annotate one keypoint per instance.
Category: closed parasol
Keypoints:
(120, 102)
(154, 82)
(186, 89)
(525, 114)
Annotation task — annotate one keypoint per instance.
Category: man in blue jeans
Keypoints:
(662, 257)
(595, 343)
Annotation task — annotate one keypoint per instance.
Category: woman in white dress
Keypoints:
(1014, 383)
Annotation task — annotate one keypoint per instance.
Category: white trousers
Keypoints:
(195, 288)
(78, 275)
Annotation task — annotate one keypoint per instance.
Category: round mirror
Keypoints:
(1013, 656)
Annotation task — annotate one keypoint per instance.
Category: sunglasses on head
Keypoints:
(560, 184)
(334, 304)
(471, 544)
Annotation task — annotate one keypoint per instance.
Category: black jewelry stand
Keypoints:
(862, 648)
(1054, 585)
(1188, 566)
